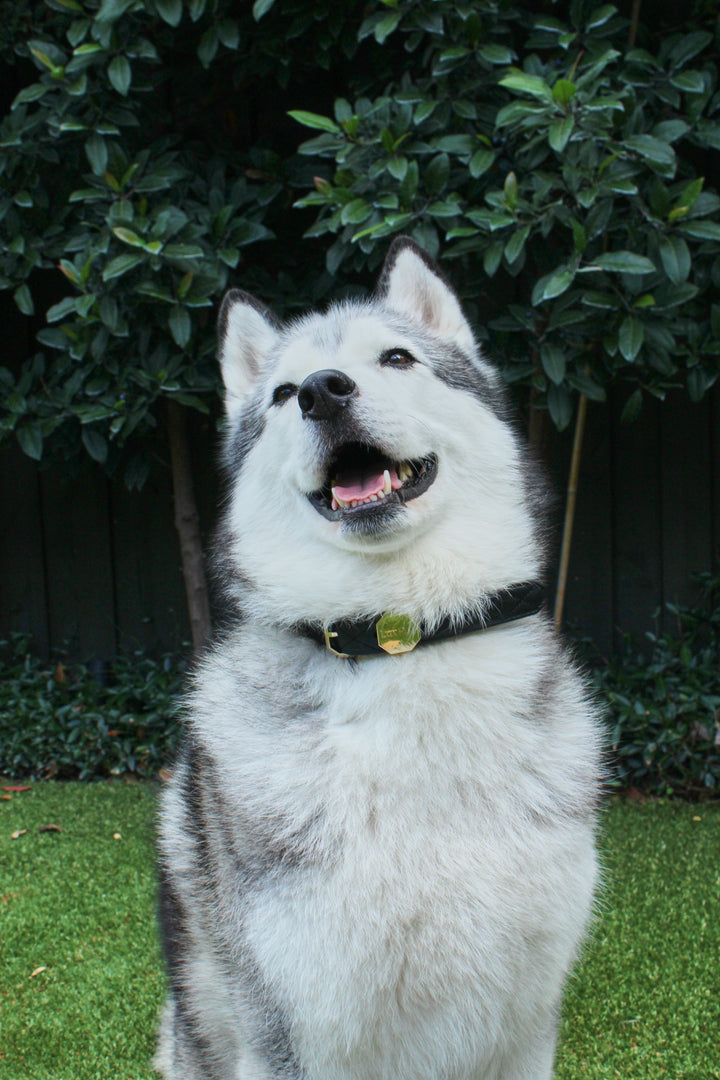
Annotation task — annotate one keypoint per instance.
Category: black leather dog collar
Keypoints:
(390, 634)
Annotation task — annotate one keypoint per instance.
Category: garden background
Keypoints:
(560, 159)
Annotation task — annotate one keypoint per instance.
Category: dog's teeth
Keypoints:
(404, 471)
(388, 486)
(337, 502)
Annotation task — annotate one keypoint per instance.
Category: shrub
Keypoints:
(664, 703)
(58, 721)
(560, 159)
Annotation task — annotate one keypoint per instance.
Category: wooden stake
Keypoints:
(570, 509)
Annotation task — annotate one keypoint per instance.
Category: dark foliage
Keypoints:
(663, 700)
(64, 722)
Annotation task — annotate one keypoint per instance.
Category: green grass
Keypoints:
(643, 1005)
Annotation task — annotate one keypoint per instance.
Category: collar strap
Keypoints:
(390, 633)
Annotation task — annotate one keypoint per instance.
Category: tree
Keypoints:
(556, 162)
(129, 166)
(561, 161)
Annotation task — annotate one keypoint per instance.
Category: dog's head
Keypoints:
(366, 441)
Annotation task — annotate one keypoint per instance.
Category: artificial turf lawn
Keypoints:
(643, 1004)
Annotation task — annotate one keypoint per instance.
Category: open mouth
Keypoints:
(362, 479)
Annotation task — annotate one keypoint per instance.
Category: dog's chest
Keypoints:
(420, 907)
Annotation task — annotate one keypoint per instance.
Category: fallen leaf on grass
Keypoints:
(16, 787)
(117, 836)
(6, 798)
(20, 832)
(37, 972)
(49, 828)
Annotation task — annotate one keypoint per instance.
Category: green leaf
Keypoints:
(120, 74)
(630, 337)
(652, 149)
(95, 444)
(560, 406)
(496, 54)
(480, 162)
(397, 166)
(493, 257)
(553, 362)
(456, 144)
(600, 16)
(110, 10)
(632, 407)
(690, 45)
(31, 441)
(180, 325)
(170, 11)
(690, 82)
(516, 243)
(183, 251)
(355, 212)
(121, 265)
(314, 120)
(260, 8)
(31, 93)
(559, 133)
(208, 46)
(385, 27)
(128, 237)
(603, 301)
(675, 257)
(229, 33)
(563, 92)
(527, 84)
(97, 154)
(510, 190)
(700, 230)
(61, 310)
(24, 300)
(552, 285)
(623, 262)
(436, 174)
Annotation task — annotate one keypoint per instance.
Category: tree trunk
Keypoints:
(187, 524)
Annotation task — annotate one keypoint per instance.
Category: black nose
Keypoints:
(324, 394)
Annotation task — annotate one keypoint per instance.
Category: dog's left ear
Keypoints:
(247, 335)
(412, 285)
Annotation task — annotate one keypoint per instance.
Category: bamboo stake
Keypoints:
(570, 501)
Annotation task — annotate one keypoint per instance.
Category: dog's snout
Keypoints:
(324, 394)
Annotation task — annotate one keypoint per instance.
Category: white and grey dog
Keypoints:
(377, 850)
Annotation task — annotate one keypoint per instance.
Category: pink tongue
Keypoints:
(364, 487)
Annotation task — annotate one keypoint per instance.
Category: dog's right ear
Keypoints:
(247, 337)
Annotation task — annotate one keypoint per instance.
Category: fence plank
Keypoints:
(23, 599)
(589, 604)
(637, 522)
(686, 495)
(151, 607)
(81, 600)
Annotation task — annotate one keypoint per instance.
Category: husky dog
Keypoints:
(377, 849)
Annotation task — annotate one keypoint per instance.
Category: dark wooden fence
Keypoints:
(89, 568)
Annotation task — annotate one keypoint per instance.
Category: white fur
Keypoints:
(447, 795)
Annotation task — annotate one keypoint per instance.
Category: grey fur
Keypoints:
(382, 869)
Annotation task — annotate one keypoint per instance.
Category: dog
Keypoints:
(377, 851)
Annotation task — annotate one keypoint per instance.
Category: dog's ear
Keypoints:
(247, 337)
(412, 285)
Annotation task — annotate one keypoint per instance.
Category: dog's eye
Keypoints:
(397, 358)
(282, 393)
